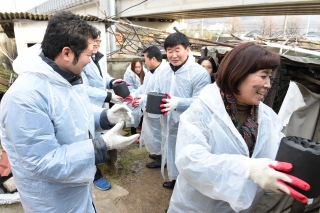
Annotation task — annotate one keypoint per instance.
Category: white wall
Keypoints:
(3, 37)
(28, 31)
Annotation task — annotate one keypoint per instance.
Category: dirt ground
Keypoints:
(144, 185)
(146, 194)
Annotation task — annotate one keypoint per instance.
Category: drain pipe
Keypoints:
(112, 12)
(108, 8)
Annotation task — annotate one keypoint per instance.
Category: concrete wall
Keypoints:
(118, 66)
(3, 37)
(92, 9)
(28, 31)
(175, 6)
(164, 26)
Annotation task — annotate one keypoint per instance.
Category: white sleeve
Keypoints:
(219, 176)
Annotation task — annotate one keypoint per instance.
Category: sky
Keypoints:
(18, 5)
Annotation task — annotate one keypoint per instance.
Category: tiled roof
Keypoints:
(6, 20)
(40, 17)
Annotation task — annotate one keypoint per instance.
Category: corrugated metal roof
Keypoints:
(39, 17)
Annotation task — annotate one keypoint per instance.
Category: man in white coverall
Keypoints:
(182, 83)
(96, 80)
(151, 128)
(47, 121)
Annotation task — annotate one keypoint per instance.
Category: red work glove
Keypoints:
(136, 102)
(119, 81)
(266, 173)
(127, 99)
(171, 104)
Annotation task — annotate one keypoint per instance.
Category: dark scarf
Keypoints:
(96, 60)
(249, 129)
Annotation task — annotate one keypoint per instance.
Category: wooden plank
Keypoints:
(4, 81)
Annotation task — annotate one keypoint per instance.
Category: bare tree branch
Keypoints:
(294, 26)
(233, 25)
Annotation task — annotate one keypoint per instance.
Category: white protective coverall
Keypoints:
(134, 80)
(95, 84)
(45, 124)
(213, 158)
(184, 84)
(151, 128)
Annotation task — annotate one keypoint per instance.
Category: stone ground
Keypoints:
(135, 189)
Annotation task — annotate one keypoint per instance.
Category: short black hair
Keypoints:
(65, 29)
(97, 31)
(175, 39)
(153, 51)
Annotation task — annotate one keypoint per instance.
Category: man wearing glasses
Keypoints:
(97, 81)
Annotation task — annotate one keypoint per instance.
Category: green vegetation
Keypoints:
(207, 34)
(313, 56)
(138, 153)
(5, 76)
(125, 163)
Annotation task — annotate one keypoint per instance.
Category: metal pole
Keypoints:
(202, 28)
(308, 26)
(285, 25)
(107, 9)
(112, 12)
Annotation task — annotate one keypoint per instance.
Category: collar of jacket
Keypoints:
(175, 68)
(98, 56)
(152, 71)
(209, 96)
(71, 78)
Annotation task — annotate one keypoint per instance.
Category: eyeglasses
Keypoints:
(98, 41)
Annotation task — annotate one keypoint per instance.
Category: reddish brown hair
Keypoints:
(241, 61)
(133, 64)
